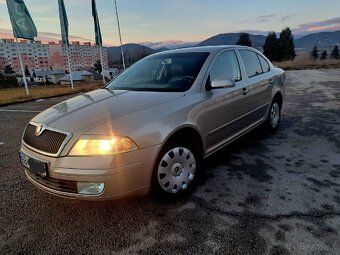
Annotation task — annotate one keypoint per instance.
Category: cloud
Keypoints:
(305, 28)
(267, 16)
(324, 25)
(41, 9)
(44, 36)
(260, 19)
(284, 18)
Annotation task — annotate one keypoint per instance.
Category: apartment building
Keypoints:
(82, 56)
(35, 55)
(38, 56)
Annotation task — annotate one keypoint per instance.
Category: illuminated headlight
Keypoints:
(87, 188)
(96, 146)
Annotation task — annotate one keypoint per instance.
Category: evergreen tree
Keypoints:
(244, 40)
(286, 45)
(271, 47)
(324, 55)
(9, 69)
(27, 72)
(314, 53)
(335, 52)
(98, 66)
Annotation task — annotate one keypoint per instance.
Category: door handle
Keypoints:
(271, 81)
(245, 91)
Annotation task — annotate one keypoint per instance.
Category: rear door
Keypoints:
(258, 87)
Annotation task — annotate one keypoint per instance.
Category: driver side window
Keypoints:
(225, 67)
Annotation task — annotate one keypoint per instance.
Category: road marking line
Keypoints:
(25, 111)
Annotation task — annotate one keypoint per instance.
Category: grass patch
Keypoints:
(305, 62)
(16, 95)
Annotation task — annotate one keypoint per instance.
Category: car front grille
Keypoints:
(49, 141)
(55, 184)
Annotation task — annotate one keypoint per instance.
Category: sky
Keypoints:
(178, 20)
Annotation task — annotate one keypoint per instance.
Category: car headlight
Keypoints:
(96, 146)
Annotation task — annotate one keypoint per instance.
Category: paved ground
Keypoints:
(262, 195)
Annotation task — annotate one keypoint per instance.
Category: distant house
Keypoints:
(96, 76)
(50, 75)
(78, 77)
(20, 79)
(110, 73)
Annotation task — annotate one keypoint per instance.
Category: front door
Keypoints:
(224, 107)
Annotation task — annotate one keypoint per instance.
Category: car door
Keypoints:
(258, 87)
(223, 107)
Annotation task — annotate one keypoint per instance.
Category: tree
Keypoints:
(9, 69)
(27, 72)
(286, 45)
(271, 47)
(335, 52)
(98, 66)
(324, 55)
(314, 53)
(8, 81)
(244, 40)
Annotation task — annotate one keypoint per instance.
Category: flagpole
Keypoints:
(22, 67)
(69, 65)
(102, 62)
(120, 35)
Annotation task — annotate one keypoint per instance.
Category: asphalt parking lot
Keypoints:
(264, 194)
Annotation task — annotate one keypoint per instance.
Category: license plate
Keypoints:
(33, 165)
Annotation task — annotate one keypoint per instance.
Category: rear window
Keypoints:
(251, 63)
(264, 64)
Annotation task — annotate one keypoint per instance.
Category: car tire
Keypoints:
(274, 117)
(176, 169)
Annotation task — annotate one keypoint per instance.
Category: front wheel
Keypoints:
(176, 169)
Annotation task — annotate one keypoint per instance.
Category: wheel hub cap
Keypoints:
(176, 169)
(274, 115)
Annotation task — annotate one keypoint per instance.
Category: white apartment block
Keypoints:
(35, 56)
(38, 56)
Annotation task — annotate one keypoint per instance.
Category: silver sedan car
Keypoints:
(150, 127)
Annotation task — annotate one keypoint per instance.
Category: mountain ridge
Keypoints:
(323, 40)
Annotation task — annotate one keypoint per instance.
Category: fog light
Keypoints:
(90, 188)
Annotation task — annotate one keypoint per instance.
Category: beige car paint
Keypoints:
(219, 116)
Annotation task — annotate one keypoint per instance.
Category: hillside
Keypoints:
(114, 53)
(231, 38)
(134, 51)
(321, 40)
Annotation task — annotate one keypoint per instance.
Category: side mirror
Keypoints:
(220, 84)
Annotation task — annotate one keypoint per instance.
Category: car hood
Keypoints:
(94, 108)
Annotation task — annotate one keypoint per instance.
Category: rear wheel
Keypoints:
(176, 169)
(274, 118)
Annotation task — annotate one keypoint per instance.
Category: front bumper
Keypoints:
(123, 175)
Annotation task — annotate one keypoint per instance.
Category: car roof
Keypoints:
(208, 49)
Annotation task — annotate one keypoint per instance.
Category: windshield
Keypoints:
(166, 72)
